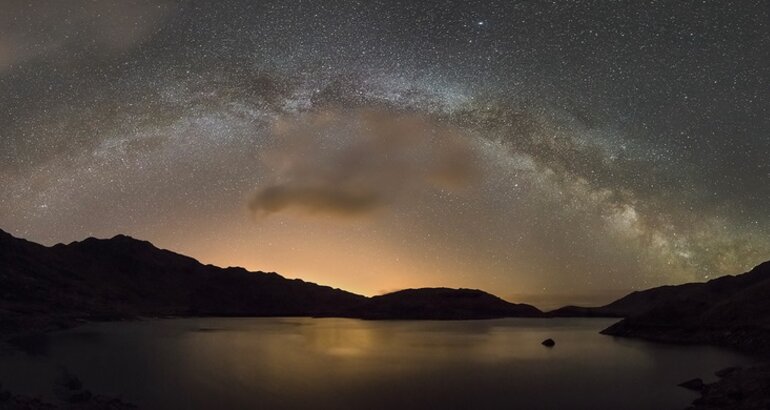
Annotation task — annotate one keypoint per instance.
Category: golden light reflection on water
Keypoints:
(355, 351)
(275, 363)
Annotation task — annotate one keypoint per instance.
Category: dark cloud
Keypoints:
(322, 199)
(353, 162)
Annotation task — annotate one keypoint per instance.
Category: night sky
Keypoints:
(547, 152)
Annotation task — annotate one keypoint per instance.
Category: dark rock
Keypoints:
(72, 383)
(33, 344)
(80, 397)
(736, 395)
(549, 343)
(726, 371)
(739, 389)
(80, 401)
(694, 384)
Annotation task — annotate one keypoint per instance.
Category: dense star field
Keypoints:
(548, 152)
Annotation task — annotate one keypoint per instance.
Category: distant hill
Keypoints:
(732, 311)
(632, 304)
(105, 279)
(444, 303)
(580, 311)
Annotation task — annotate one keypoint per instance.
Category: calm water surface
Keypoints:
(258, 363)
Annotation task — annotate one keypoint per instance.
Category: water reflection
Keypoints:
(341, 363)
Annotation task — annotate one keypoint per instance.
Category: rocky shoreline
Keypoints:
(74, 397)
(750, 340)
(737, 389)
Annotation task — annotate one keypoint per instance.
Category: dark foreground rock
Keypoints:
(738, 389)
(15, 402)
(731, 311)
(694, 384)
(79, 400)
(747, 339)
(71, 395)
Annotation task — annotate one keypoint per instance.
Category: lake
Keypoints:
(250, 363)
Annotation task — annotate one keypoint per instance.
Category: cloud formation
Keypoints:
(62, 31)
(318, 199)
(355, 162)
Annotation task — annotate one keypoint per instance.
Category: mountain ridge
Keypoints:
(731, 311)
(123, 277)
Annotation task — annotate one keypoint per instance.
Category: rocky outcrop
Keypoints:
(694, 384)
(79, 400)
(737, 389)
(732, 311)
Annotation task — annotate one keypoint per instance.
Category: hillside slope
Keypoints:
(105, 279)
(444, 303)
(732, 311)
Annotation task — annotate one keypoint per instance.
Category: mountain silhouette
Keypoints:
(444, 303)
(122, 277)
(732, 311)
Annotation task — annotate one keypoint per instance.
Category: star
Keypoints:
(558, 148)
